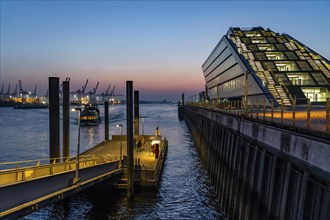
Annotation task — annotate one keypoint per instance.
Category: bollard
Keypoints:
(327, 115)
(54, 119)
(282, 105)
(272, 111)
(129, 126)
(264, 110)
(106, 121)
(294, 112)
(308, 113)
(66, 119)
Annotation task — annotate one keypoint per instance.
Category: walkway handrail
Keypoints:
(25, 173)
(45, 161)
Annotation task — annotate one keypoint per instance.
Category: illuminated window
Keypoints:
(286, 66)
(252, 34)
(316, 94)
(275, 55)
(266, 47)
(259, 40)
(300, 79)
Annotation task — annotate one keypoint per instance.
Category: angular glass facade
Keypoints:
(278, 67)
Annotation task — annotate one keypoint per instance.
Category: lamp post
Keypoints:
(143, 117)
(120, 126)
(76, 178)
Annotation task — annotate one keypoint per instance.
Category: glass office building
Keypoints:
(276, 66)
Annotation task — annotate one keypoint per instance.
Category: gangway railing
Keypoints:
(20, 171)
(26, 186)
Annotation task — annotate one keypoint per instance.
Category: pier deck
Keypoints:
(96, 165)
(146, 167)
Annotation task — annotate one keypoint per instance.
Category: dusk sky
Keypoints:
(159, 45)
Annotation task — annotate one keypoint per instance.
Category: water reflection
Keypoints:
(91, 135)
(185, 191)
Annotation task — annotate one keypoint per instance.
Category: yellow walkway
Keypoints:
(112, 148)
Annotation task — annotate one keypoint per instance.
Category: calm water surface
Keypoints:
(185, 191)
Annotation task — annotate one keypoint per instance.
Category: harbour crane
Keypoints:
(107, 91)
(22, 92)
(14, 94)
(81, 91)
(95, 89)
(47, 93)
(92, 92)
(8, 91)
(84, 87)
(112, 96)
(113, 91)
(34, 94)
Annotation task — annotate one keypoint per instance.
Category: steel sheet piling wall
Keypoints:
(136, 114)
(54, 119)
(66, 120)
(129, 126)
(106, 121)
(253, 180)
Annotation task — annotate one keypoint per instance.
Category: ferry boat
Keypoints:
(90, 115)
(31, 106)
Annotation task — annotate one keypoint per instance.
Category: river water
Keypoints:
(185, 190)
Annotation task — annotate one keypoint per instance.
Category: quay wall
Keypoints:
(260, 171)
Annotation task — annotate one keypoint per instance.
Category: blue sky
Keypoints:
(159, 45)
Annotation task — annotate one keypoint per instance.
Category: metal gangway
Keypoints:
(26, 186)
